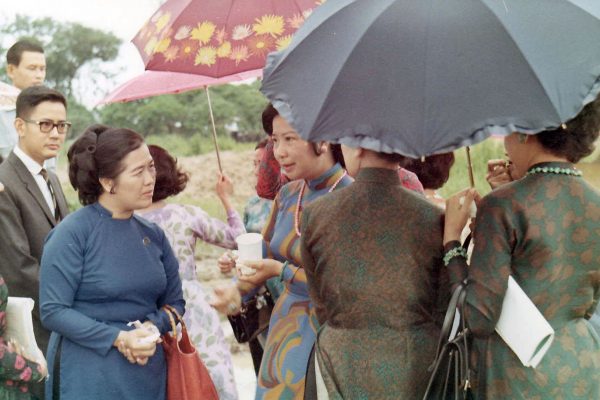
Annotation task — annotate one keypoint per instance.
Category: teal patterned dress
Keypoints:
(293, 325)
(544, 230)
(373, 258)
(15, 371)
(256, 213)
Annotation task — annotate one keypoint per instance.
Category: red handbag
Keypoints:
(187, 377)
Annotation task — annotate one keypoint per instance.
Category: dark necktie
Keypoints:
(44, 175)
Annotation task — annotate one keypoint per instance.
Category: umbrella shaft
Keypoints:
(214, 130)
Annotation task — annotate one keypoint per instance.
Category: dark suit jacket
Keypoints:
(25, 220)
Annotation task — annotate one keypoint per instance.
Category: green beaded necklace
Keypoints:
(554, 170)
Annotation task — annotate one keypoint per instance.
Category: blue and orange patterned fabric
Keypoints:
(293, 324)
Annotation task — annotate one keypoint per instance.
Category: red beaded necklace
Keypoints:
(299, 201)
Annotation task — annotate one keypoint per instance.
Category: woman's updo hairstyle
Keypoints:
(433, 171)
(96, 154)
(575, 139)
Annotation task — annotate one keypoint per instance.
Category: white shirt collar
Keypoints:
(32, 165)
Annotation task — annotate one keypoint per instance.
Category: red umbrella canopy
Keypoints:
(217, 38)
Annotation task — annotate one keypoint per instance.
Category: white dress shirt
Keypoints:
(34, 168)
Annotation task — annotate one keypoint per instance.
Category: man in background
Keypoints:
(25, 66)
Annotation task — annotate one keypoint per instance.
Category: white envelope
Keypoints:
(523, 327)
(19, 326)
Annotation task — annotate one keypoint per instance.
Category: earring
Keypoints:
(112, 190)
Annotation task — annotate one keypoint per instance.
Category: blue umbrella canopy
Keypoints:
(429, 76)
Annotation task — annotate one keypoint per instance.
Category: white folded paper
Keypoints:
(523, 327)
(19, 327)
(152, 329)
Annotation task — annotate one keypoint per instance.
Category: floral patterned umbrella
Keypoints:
(218, 38)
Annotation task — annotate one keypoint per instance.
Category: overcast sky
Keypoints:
(121, 17)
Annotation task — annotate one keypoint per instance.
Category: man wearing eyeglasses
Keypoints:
(32, 202)
(25, 66)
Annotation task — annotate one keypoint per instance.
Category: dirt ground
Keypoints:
(203, 171)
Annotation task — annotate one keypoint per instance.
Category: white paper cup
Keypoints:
(250, 246)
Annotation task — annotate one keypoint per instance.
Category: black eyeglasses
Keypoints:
(46, 125)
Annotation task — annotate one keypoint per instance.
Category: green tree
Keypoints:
(187, 114)
(73, 52)
(69, 47)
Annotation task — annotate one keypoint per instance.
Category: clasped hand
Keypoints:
(135, 344)
(458, 213)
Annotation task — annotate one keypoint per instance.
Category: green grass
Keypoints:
(480, 154)
(180, 146)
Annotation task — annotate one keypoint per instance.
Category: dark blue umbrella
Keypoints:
(419, 77)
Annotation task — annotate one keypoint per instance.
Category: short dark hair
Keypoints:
(14, 54)
(170, 179)
(269, 114)
(433, 171)
(577, 139)
(98, 153)
(31, 97)
(393, 158)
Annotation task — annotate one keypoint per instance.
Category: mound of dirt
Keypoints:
(203, 175)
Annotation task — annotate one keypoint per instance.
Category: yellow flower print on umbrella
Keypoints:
(156, 16)
(171, 53)
(283, 42)
(269, 25)
(239, 54)
(213, 38)
(187, 49)
(221, 35)
(261, 45)
(163, 21)
(241, 32)
(206, 56)
(150, 45)
(162, 45)
(295, 21)
(183, 32)
(203, 32)
(224, 50)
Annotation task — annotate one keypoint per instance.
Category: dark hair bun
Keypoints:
(96, 154)
(576, 139)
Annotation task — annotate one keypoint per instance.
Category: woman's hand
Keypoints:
(264, 269)
(42, 369)
(226, 262)
(227, 300)
(14, 346)
(135, 346)
(458, 210)
(224, 187)
(499, 173)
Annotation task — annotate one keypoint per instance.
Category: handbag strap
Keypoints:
(457, 298)
(171, 321)
(170, 310)
(456, 303)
